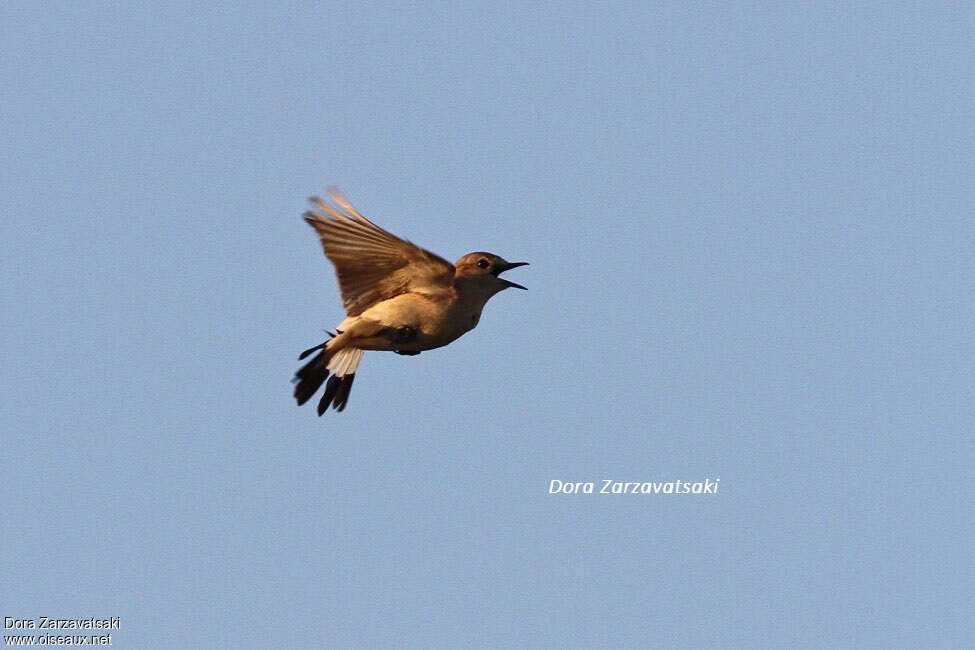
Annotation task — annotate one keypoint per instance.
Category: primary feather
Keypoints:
(373, 264)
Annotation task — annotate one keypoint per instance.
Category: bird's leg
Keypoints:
(394, 335)
(399, 335)
(368, 334)
(404, 335)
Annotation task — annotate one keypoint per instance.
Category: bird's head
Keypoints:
(485, 269)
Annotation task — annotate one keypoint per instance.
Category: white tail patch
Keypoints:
(345, 362)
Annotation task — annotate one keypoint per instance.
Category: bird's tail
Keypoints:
(342, 364)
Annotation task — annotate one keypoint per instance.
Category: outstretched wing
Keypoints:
(372, 264)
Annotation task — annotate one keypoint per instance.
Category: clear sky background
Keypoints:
(751, 235)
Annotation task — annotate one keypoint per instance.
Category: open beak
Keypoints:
(508, 267)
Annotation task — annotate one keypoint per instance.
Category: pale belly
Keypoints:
(436, 322)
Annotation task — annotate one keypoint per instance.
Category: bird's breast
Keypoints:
(455, 322)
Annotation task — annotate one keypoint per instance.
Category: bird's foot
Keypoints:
(405, 353)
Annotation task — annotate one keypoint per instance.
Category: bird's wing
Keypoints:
(372, 264)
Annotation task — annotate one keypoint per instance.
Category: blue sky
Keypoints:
(750, 229)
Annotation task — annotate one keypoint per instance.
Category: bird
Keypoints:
(398, 297)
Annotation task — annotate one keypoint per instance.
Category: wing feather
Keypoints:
(371, 263)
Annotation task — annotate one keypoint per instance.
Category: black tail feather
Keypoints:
(336, 393)
(310, 350)
(320, 346)
(311, 376)
(342, 396)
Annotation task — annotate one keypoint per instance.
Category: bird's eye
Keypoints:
(483, 263)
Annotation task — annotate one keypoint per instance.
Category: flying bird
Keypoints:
(398, 297)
